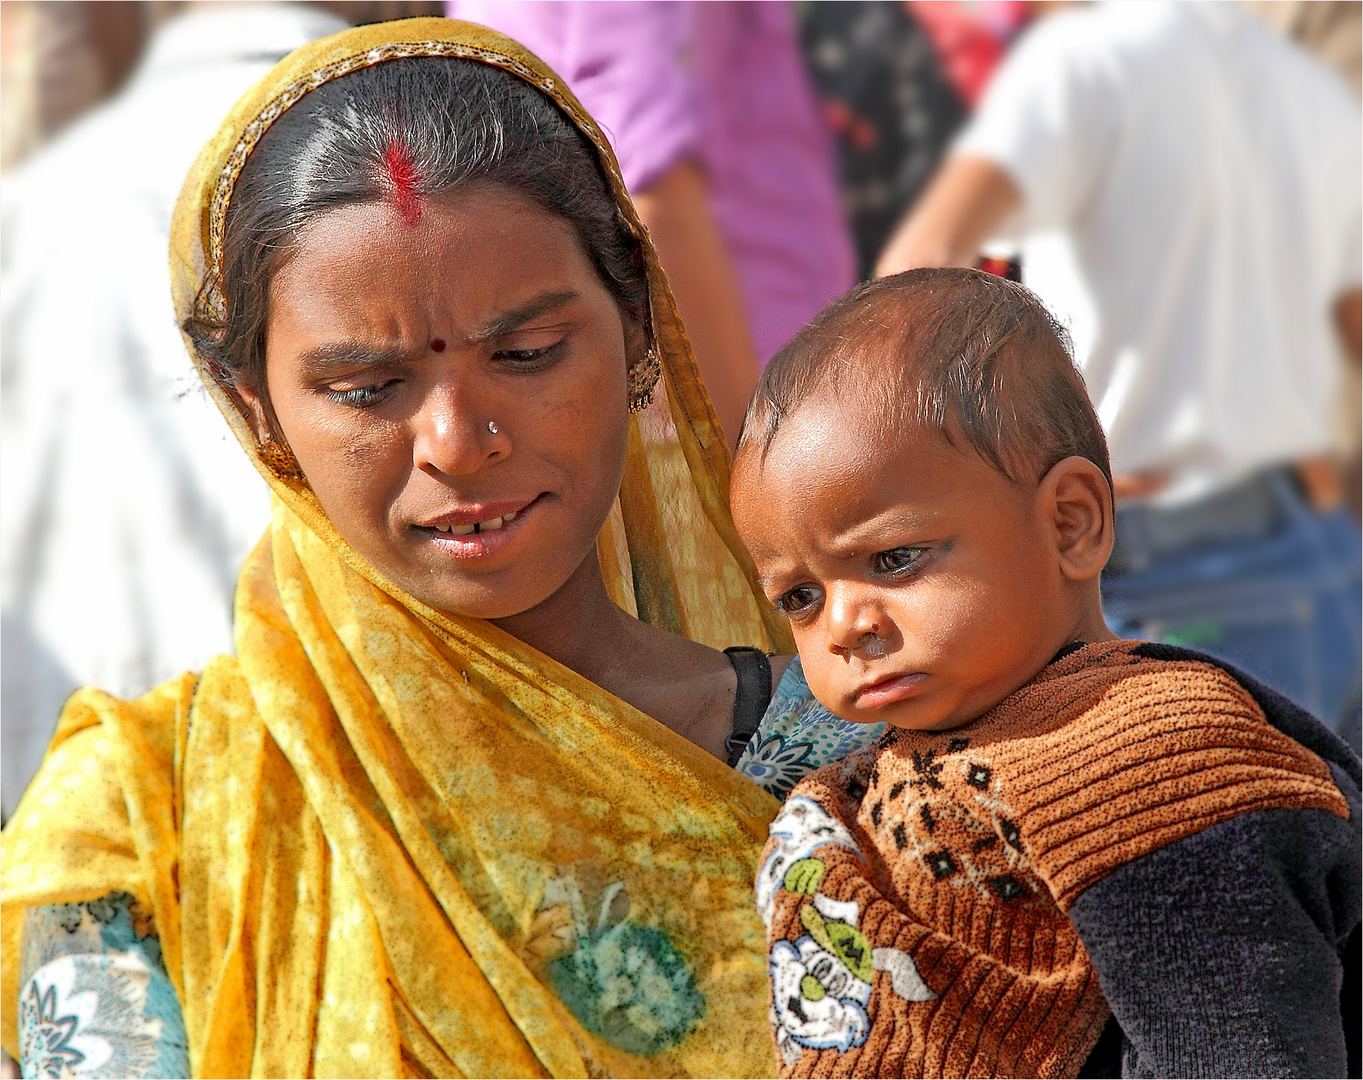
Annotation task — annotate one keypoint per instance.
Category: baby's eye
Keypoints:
(799, 600)
(363, 397)
(898, 561)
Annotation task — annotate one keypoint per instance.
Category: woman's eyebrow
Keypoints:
(351, 354)
(509, 321)
(358, 354)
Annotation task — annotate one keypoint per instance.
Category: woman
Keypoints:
(452, 809)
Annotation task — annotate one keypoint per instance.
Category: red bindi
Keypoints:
(437, 344)
(402, 179)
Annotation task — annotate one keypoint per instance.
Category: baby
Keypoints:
(1068, 851)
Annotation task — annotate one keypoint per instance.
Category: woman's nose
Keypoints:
(453, 436)
(853, 619)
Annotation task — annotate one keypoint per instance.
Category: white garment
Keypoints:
(1191, 207)
(126, 508)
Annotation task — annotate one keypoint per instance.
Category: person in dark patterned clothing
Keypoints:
(890, 105)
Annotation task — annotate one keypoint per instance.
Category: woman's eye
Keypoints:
(799, 600)
(529, 359)
(902, 560)
(363, 397)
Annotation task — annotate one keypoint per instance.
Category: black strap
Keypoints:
(1105, 1059)
(750, 702)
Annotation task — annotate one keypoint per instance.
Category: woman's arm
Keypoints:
(95, 998)
(676, 209)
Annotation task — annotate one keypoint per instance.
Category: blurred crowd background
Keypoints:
(1179, 182)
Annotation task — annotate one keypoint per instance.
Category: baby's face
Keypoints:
(921, 584)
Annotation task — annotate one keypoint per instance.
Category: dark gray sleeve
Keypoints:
(1223, 954)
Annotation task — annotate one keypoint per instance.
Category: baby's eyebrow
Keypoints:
(910, 527)
(768, 582)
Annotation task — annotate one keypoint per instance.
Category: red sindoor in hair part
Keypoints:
(403, 179)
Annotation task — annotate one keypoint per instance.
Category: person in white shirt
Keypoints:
(1185, 190)
(127, 507)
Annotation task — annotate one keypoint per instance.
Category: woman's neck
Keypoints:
(579, 625)
(680, 683)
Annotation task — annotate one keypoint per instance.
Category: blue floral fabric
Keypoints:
(798, 735)
(97, 1002)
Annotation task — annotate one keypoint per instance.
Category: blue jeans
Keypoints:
(1285, 606)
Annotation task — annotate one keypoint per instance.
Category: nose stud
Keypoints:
(492, 426)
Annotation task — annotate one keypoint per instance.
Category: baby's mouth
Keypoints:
(889, 689)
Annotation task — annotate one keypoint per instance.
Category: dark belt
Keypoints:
(1254, 507)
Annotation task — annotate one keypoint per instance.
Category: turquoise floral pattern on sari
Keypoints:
(626, 982)
(798, 735)
(631, 986)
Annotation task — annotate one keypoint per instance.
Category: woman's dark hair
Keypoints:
(403, 129)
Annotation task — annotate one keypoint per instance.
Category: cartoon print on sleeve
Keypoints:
(799, 829)
(821, 982)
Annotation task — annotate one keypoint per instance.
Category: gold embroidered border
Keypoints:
(295, 91)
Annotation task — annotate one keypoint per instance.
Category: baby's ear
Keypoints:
(1076, 498)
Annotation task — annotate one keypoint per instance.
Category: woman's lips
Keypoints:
(889, 690)
(465, 537)
(479, 517)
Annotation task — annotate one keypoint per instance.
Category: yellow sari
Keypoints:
(386, 841)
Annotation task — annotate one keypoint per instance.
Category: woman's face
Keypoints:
(455, 392)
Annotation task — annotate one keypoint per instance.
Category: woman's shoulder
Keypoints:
(798, 735)
(146, 715)
(140, 733)
(107, 782)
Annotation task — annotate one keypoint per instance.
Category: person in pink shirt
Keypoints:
(711, 113)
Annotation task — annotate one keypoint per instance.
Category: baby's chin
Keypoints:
(931, 725)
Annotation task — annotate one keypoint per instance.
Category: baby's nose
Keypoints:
(854, 623)
(872, 646)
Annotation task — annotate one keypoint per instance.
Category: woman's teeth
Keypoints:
(479, 526)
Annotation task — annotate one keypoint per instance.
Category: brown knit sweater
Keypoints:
(916, 893)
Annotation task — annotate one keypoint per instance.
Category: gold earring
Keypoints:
(279, 459)
(643, 379)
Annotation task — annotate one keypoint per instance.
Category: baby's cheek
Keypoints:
(936, 621)
(826, 675)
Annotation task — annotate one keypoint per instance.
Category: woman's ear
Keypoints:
(636, 341)
(1077, 501)
(252, 407)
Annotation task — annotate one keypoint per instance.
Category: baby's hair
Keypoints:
(968, 355)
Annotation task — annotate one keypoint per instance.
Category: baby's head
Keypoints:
(925, 488)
